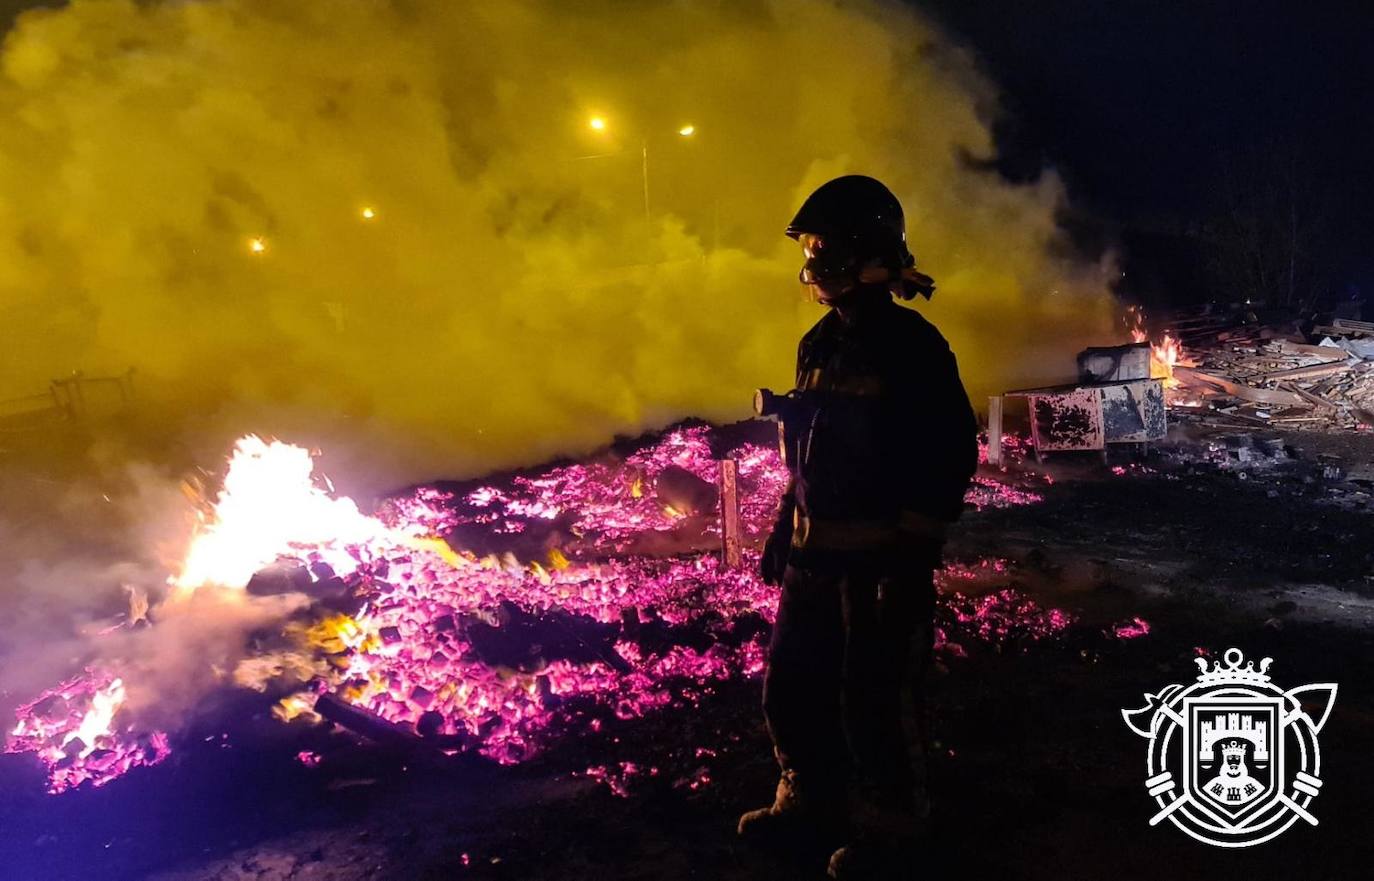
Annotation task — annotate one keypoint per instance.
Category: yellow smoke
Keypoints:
(395, 221)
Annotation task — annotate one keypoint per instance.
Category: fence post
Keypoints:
(729, 513)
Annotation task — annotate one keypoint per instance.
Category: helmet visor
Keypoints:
(827, 258)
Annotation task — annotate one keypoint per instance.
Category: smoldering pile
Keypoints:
(599, 597)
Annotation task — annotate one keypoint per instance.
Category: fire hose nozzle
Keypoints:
(789, 407)
(765, 403)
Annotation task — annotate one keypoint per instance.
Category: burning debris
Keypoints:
(70, 728)
(1206, 369)
(403, 639)
(1276, 375)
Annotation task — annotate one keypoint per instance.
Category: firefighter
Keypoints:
(881, 444)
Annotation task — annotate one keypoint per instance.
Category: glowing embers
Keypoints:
(1132, 629)
(987, 492)
(611, 503)
(492, 656)
(503, 658)
(74, 729)
(1009, 490)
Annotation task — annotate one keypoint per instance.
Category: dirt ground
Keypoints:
(1033, 773)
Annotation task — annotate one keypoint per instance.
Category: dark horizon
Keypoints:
(1140, 106)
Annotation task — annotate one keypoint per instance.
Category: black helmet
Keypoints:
(856, 220)
(854, 206)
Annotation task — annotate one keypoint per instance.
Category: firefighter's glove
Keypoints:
(776, 550)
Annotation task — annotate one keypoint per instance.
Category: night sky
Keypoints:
(1138, 102)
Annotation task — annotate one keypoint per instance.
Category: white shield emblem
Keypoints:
(1233, 759)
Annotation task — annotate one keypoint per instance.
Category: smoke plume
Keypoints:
(393, 226)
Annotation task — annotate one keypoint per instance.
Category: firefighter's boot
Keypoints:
(886, 840)
(800, 810)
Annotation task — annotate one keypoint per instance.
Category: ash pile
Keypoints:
(1268, 458)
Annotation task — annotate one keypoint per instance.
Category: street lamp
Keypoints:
(598, 123)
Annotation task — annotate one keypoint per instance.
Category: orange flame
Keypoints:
(1163, 354)
(1134, 319)
(99, 718)
(270, 506)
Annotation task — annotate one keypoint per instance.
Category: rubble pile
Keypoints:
(1273, 375)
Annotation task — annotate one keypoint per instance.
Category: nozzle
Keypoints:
(765, 402)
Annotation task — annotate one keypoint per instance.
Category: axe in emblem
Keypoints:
(1324, 694)
(1143, 721)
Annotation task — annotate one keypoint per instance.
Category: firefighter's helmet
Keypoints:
(847, 224)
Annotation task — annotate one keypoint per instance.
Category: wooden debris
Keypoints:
(1249, 393)
(1316, 386)
(369, 725)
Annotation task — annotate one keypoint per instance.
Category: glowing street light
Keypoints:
(368, 213)
(257, 245)
(598, 124)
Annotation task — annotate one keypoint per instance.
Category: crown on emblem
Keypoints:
(1233, 672)
(1233, 748)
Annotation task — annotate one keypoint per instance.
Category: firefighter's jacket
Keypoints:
(884, 442)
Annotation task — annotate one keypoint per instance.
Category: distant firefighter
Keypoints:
(881, 443)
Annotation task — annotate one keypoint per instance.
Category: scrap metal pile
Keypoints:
(395, 635)
(1276, 375)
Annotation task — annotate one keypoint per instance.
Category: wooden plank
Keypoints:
(1327, 353)
(995, 430)
(1342, 330)
(1226, 420)
(1315, 400)
(1235, 389)
(1311, 371)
